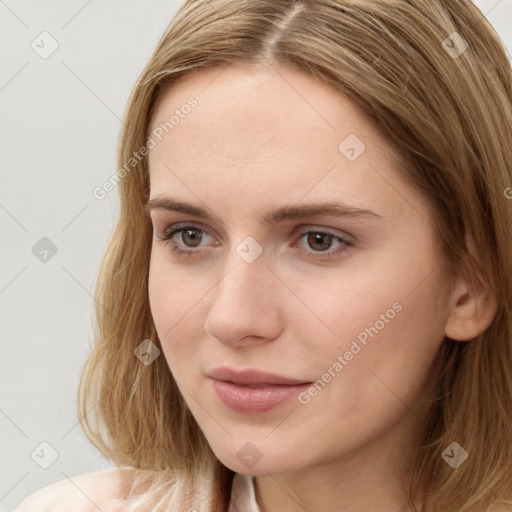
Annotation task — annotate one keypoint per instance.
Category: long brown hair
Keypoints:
(447, 108)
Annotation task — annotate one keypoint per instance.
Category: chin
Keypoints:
(249, 460)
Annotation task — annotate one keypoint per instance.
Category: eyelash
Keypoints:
(179, 228)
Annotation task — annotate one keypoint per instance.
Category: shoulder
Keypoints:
(82, 493)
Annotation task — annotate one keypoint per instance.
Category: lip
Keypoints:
(252, 376)
(253, 391)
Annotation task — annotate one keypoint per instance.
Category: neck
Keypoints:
(372, 478)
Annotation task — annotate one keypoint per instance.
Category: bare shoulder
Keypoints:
(82, 493)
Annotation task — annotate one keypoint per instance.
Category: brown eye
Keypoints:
(319, 241)
(191, 237)
(318, 244)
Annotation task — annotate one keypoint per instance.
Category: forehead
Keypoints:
(254, 104)
(265, 131)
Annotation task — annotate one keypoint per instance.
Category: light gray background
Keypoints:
(59, 131)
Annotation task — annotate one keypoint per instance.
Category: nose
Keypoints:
(244, 305)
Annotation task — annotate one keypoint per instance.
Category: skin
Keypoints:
(267, 136)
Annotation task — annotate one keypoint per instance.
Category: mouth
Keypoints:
(252, 377)
(253, 391)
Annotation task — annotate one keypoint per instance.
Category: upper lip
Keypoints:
(252, 376)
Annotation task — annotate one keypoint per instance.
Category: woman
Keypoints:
(306, 301)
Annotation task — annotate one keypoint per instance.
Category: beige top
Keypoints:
(90, 491)
(243, 498)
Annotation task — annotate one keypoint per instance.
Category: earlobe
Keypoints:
(473, 309)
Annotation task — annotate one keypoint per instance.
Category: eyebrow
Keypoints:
(274, 216)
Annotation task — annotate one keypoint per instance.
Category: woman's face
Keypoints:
(352, 300)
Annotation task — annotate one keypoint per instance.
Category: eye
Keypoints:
(321, 241)
(190, 237)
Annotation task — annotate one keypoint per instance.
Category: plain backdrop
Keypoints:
(60, 122)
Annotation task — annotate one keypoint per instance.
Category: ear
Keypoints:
(473, 306)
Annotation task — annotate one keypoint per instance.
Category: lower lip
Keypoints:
(251, 400)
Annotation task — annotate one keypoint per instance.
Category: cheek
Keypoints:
(404, 352)
(386, 323)
(398, 297)
(387, 356)
(176, 301)
(173, 291)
